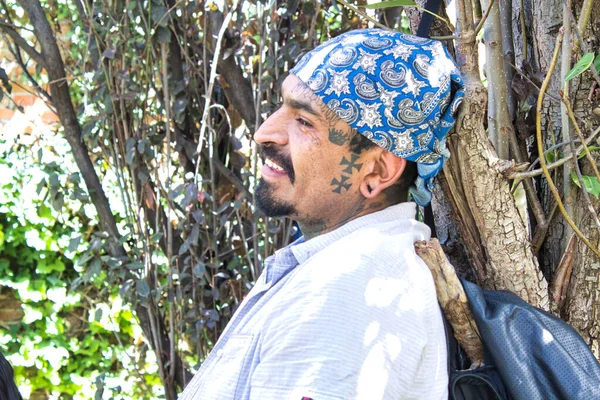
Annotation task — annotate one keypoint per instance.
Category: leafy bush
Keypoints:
(69, 342)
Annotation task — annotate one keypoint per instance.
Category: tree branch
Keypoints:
(66, 113)
(540, 144)
(22, 43)
(537, 172)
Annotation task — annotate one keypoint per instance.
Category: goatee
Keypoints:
(266, 202)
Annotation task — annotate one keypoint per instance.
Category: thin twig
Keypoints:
(565, 126)
(584, 18)
(540, 145)
(487, 12)
(364, 15)
(576, 164)
(211, 84)
(254, 161)
(169, 238)
(529, 80)
(523, 30)
(555, 164)
(580, 134)
(145, 387)
(22, 43)
(244, 243)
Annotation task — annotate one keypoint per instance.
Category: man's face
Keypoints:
(309, 174)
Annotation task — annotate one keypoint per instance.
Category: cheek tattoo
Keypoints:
(335, 136)
(352, 164)
(341, 184)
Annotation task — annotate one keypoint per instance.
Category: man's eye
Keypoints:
(304, 123)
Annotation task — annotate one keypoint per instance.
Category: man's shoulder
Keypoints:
(382, 248)
(362, 259)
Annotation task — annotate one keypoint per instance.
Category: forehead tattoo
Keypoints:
(327, 113)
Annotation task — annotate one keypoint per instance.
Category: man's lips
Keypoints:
(270, 169)
(276, 163)
(276, 167)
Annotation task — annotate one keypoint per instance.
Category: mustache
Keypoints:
(284, 161)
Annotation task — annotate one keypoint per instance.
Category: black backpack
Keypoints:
(529, 354)
(8, 389)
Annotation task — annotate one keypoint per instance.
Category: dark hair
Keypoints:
(408, 177)
(359, 143)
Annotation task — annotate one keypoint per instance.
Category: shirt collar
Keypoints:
(304, 249)
(280, 262)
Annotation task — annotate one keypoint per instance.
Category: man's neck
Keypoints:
(313, 227)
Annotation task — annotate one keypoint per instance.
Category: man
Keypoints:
(348, 311)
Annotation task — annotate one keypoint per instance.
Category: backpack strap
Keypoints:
(423, 31)
(426, 18)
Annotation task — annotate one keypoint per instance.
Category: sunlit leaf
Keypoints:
(391, 3)
(591, 183)
(582, 65)
(590, 149)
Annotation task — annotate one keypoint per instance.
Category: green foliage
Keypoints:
(590, 183)
(597, 63)
(580, 67)
(391, 3)
(66, 339)
(192, 193)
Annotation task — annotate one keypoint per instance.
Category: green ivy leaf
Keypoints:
(135, 265)
(159, 17)
(591, 183)
(582, 65)
(590, 149)
(597, 63)
(142, 288)
(391, 3)
(74, 243)
(163, 34)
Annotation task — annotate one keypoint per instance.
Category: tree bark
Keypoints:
(582, 303)
(495, 235)
(583, 295)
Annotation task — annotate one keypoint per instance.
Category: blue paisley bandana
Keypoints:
(400, 91)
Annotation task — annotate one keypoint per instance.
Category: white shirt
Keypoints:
(351, 314)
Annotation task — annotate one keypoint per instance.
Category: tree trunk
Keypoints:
(492, 230)
(582, 307)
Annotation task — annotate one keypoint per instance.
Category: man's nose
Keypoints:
(273, 130)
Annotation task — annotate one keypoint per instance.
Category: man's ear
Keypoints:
(384, 170)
